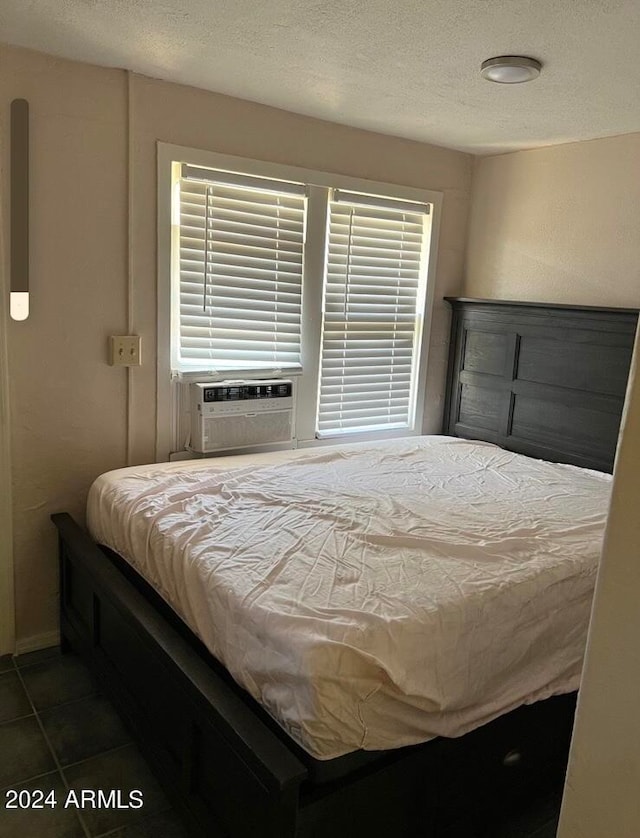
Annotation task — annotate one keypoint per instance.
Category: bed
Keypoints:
(429, 738)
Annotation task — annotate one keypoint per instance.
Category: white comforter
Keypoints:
(372, 595)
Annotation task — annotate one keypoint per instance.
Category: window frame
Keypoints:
(306, 380)
(194, 183)
(340, 332)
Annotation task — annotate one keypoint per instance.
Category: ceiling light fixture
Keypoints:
(510, 69)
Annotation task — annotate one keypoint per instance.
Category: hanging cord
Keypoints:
(207, 219)
(130, 265)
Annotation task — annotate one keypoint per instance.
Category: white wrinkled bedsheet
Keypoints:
(377, 594)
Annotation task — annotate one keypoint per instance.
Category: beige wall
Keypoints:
(558, 224)
(94, 271)
(67, 406)
(194, 118)
(601, 795)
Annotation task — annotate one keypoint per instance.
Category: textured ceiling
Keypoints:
(408, 68)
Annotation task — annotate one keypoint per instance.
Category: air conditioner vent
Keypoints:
(231, 415)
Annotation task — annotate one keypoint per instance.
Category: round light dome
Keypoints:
(510, 69)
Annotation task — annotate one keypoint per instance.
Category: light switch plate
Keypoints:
(125, 350)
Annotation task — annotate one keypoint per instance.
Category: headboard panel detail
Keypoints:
(544, 380)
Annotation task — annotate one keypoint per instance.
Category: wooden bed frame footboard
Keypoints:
(233, 776)
(205, 745)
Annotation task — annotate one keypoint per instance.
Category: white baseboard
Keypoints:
(38, 641)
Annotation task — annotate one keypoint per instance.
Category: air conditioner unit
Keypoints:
(240, 414)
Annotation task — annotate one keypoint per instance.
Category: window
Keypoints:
(240, 277)
(282, 271)
(373, 302)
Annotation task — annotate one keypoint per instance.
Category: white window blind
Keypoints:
(241, 255)
(373, 301)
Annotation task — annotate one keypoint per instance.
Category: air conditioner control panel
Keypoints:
(229, 398)
(235, 391)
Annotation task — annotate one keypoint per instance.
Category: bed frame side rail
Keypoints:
(229, 774)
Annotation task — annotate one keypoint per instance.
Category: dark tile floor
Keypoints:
(57, 734)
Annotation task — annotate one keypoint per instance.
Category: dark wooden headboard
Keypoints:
(544, 380)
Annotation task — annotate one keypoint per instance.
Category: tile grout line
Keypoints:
(60, 769)
(72, 701)
(46, 659)
(111, 832)
(16, 719)
(29, 780)
(137, 820)
(24, 715)
(100, 754)
(51, 749)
